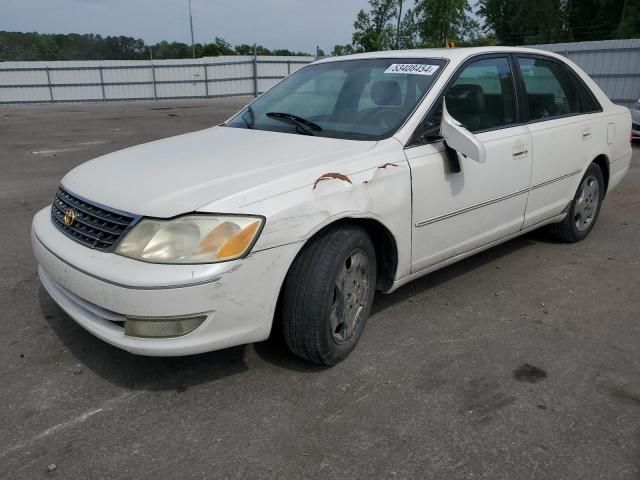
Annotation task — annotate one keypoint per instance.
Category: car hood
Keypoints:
(177, 175)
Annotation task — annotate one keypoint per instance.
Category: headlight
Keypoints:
(191, 239)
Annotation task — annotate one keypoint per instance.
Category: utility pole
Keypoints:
(193, 45)
(398, 27)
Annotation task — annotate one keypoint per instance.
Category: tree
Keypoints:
(500, 16)
(630, 24)
(409, 34)
(17, 46)
(245, 49)
(166, 50)
(340, 50)
(219, 47)
(549, 21)
(593, 19)
(374, 30)
(442, 20)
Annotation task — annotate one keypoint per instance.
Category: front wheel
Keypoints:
(328, 294)
(584, 210)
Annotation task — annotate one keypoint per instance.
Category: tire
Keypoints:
(584, 209)
(328, 294)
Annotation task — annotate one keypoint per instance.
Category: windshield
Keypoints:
(350, 99)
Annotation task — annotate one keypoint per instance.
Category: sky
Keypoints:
(297, 25)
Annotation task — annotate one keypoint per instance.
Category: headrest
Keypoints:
(466, 98)
(386, 93)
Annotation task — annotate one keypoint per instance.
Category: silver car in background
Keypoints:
(635, 119)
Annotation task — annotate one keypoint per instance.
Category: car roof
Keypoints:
(453, 54)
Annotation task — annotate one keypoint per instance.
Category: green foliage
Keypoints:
(166, 50)
(16, 46)
(409, 35)
(500, 18)
(441, 20)
(428, 24)
(35, 46)
(630, 23)
(518, 22)
(339, 50)
(218, 48)
(374, 30)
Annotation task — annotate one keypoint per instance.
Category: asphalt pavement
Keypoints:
(522, 362)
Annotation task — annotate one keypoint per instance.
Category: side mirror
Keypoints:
(459, 140)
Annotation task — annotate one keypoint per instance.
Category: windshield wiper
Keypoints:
(251, 123)
(302, 125)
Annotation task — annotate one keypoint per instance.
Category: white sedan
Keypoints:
(354, 175)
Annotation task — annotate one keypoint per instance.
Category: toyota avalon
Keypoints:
(354, 175)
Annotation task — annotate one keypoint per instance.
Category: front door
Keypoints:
(454, 213)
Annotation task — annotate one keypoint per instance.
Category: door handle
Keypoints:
(586, 133)
(520, 151)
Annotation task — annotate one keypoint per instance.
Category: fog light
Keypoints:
(162, 327)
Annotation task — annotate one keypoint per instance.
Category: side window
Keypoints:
(553, 91)
(481, 98)
(587, 102)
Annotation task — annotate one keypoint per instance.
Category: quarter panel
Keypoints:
(560, 155)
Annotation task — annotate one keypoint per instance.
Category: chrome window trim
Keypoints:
(520, 93)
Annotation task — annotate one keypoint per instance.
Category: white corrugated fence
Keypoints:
(613, 64)
(95, 81)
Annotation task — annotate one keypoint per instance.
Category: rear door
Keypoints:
(456, 212)
(558, 108)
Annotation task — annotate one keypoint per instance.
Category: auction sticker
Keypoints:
(412, 68)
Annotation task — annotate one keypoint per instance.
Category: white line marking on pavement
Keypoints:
(74, 148)
(53, 429)
(73, 422)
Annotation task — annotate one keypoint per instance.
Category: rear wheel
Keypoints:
(584, 209)
(328, 295)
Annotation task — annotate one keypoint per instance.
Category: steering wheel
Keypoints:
(386, 117)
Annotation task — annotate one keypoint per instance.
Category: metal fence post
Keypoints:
(255, 75)
(104, 97)
(206, 80)
(288, 67)
(155, 87)
(50, 86)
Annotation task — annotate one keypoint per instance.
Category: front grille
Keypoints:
(95, 226)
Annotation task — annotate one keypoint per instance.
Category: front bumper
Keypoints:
(99, 289)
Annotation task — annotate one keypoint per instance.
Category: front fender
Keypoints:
(381, 193)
